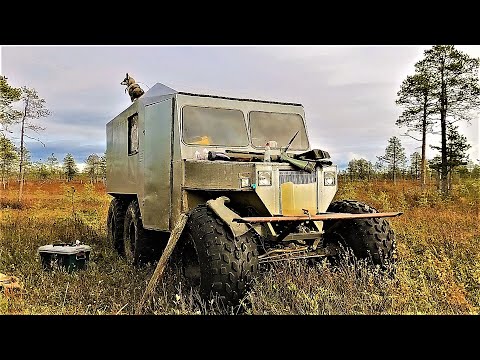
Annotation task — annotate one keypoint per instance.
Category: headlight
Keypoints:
(329, 178)
(264, 178)
(244, 182)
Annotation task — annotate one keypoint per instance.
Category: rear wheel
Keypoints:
(216, 260)
(134, 235)
(370, 238)
(115, 223)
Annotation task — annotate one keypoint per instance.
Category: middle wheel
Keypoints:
(134, 236)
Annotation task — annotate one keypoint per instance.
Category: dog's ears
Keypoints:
(126, 76)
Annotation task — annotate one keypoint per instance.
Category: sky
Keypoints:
(348, 92)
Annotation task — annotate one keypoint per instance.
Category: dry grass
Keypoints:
(438, 260)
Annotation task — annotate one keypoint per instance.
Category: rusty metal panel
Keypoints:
(157, 166)
(122, 168)
(157, 93)
(178, 172)
(177, 193)
(270, 195)
(141, 157)
(227, 215)
(326, 193)
(217, 175)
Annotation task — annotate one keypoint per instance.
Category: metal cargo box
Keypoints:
(69, 257)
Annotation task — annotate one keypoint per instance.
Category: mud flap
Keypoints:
(227, 215)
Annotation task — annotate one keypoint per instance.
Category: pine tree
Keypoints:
(394, 157)
(27, 161)
(8, 95)
(8, 159)
(93, 167)
(456, 91)
(52, 165)
(457, 147)
(416, 96)
(33, 108)
(103, 167)
(69, 167)
(416, 166)
(379, 168)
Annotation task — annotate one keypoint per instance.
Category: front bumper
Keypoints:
(317, 217)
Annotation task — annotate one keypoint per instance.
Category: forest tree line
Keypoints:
(66, 169)
(395, 164)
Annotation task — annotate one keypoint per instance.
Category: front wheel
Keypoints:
(216, 260)
(370, 238)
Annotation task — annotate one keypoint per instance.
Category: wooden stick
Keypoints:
(172, 241)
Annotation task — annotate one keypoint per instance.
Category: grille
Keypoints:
(297, 177)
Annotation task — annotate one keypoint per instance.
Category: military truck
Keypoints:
(244, 172)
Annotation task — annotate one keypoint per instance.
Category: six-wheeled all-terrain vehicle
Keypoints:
(244, 172)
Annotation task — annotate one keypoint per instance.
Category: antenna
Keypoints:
(290, 142)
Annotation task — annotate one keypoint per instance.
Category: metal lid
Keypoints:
(64, 249)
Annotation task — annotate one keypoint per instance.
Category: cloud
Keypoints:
(348, 92)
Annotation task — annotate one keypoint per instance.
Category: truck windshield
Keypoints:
(279, 127)
(214, 126)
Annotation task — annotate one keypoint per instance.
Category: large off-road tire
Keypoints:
(115, 223)
(370, 238)
(134, 236)
(220, 263)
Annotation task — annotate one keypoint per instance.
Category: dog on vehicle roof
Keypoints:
(134, 90)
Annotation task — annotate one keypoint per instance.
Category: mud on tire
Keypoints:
(226, 264)
(370, 238)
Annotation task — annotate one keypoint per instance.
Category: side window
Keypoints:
(133, 134)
